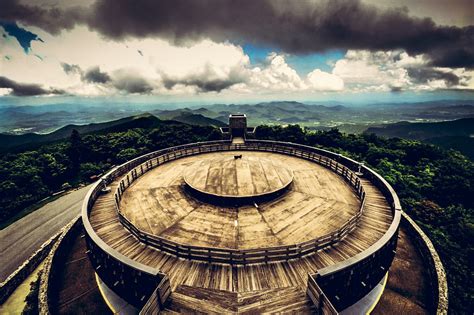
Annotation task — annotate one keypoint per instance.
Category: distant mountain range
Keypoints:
(140, 121)
(47, 118)
(279, 112)
(447, 124)
(191, 117)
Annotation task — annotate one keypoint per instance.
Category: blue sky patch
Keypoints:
(257, 54)
(303, 64)
(23, 36)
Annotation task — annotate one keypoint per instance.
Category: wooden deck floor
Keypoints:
(252, 279)
(192, 300)
(224, 175)
(317, 203)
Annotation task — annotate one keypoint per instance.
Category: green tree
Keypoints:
(127, 154)
(74, 151)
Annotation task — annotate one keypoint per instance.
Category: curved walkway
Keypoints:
(408, 287)
(374, 222)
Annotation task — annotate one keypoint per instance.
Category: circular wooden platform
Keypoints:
(152, 231)
(317, 203)
(241, 177)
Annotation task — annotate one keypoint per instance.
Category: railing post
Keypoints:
(158, 297)
(320, 304)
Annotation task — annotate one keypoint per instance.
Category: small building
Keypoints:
(238, 127)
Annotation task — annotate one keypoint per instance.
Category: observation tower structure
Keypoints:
(242, 226)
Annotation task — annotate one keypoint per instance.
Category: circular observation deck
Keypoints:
(325, 222)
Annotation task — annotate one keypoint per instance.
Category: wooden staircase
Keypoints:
(187, 299)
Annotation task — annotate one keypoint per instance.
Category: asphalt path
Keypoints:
(22, 238)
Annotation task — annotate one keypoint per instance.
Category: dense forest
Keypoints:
(436, 186)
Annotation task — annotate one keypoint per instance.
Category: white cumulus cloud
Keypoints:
(323, 81)
(71, 60)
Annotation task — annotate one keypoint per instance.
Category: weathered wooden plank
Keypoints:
(221, 226)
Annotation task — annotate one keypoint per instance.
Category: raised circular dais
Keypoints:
(238, 177)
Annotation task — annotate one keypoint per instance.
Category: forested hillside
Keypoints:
(455, 134)
(435, 185)
(31, 175)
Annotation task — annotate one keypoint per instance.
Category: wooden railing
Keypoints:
(348, 281)
(119, 272)
(156, 302)
(236, 256)
(319, 299)
(329, 159)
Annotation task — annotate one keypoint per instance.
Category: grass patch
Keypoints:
(31, 307)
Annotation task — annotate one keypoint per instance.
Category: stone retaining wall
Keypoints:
(43, 302)
(438, 280)
(21, 273)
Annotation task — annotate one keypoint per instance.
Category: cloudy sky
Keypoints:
(236, 50)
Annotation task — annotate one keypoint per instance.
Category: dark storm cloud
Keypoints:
(295, 27)
(52, 19)
(23, 89)
(94, 75)
(206, 80)
(123, 81)
(71, 69)
(132, 84)
(202, 84)
(456, 57)
(91, 75)
(423, 75)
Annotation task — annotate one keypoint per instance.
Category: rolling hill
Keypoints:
(141, 121)
(199, 117)
(8, 141)
(456, 134)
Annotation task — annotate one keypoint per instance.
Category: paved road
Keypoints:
(22, 238)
